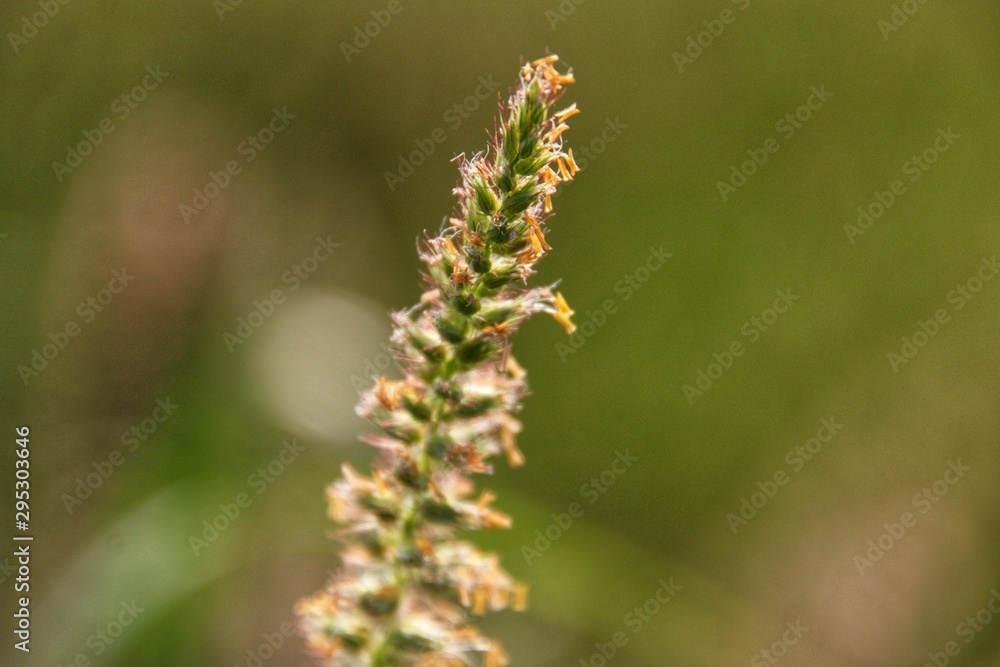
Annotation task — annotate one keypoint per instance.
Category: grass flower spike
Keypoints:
(408, 586)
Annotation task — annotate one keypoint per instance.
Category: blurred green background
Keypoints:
(675, 96)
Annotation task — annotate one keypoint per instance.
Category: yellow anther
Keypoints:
(564, 314)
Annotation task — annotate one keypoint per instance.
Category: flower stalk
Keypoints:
(408, 586)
